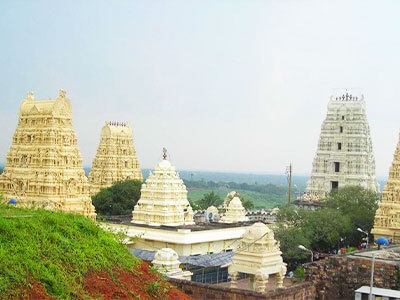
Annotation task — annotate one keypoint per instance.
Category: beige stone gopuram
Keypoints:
(235, 212)
(167, 263)
(115, 159)
(44, 165)
(387, 216)
(344, 155)
(163, 199)
(259, 256)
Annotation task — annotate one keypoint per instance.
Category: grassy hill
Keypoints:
(47, 254)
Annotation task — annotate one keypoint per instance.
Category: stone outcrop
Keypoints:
(344, 155)
(387, 216)
(116, 158)
(44, 165)
(163, 199)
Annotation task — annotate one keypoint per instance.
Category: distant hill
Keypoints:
(299, 181)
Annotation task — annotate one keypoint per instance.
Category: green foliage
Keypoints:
(259, 200)
(247, 203)
(324, 227)
(320, 230)
(208, 200)
(56, 249)
(359, 205)
(299, 274)
(290, 238)
(153, 289)
(118, 199)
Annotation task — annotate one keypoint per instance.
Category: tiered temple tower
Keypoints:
(163, 199)
(344, 155)
(387, 217)
(44, 165)
(115, 159)
(235, 212)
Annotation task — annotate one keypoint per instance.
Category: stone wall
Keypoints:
(338, 277)
(201, 291)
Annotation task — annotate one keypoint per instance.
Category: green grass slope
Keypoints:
(55, 250)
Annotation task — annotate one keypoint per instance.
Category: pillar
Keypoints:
(261, 282)
(234, 277)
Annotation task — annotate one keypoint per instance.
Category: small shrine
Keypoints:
(387, 216)
(235, 212)
(167, 263)
(115, 159)
(228, 199)
(163, 198)
(259, 256)
(212, 214)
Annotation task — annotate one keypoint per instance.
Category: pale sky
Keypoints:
(224, 85)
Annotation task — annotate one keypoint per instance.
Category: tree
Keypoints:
(325, 227)
(290, 238)
(118, 199)
(209, 199)
(359, 205)
(247, 203)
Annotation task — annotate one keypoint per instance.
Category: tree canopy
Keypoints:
(118, 199)
(209, 199)
(344, 211)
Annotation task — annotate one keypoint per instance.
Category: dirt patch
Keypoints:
(35, 291)
(139, 283)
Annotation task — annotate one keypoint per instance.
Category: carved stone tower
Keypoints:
(115, 159)
(44, 165)
(163, 199)
(344, 154)
(387, 217)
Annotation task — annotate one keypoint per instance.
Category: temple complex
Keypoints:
(115, 159)
(163, 199)
(344, 154)
(259, 256)
(387, 217)
(167, 263)
(44, 165)
(235, 212)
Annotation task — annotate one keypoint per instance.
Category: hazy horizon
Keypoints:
(225, 86)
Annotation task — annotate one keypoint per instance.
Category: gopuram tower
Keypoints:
(115, 159)
(44, 165)
(387, 216)
(163, 199)
(344, 154)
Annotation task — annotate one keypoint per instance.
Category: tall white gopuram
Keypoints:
(344, 154)
(163, 199)
(115, 159)
(44, 165)
(259, 256)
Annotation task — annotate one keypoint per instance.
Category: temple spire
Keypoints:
(164, 153)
